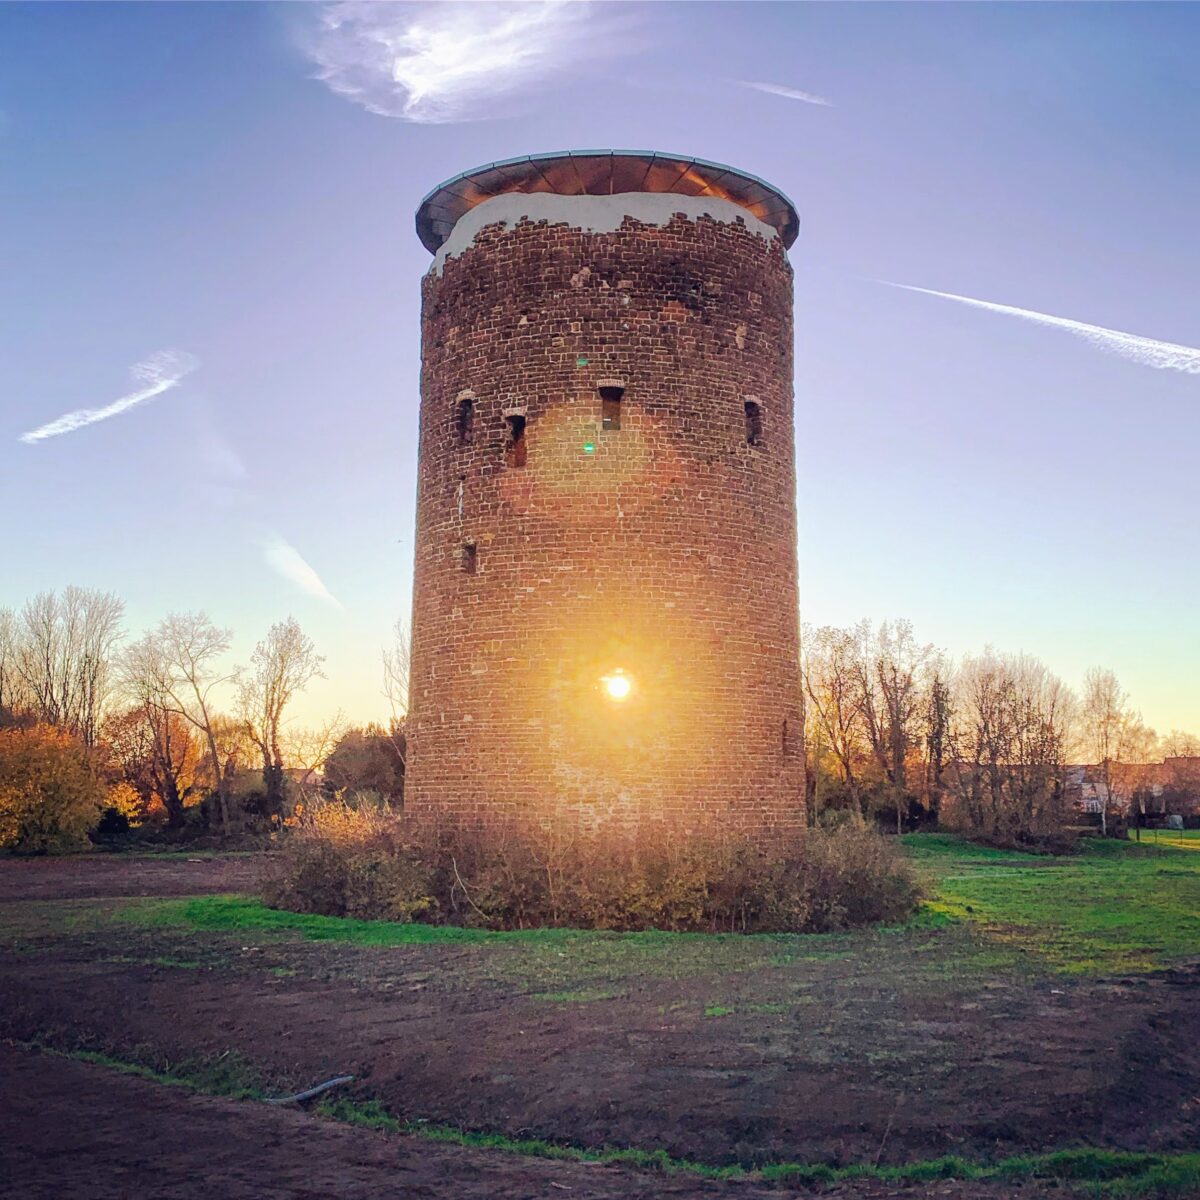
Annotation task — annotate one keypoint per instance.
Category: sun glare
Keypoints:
(618, 685)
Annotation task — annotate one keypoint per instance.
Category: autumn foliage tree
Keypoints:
(157, 754)
(178, 665)
(50, 796)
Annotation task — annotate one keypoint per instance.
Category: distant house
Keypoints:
(1181, 784)
(1155, 789)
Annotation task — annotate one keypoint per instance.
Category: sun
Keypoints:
(617, 685)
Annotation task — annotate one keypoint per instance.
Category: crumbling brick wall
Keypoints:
(552, 551)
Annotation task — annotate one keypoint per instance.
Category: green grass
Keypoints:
(545, 961)
(582, 996)
(227, 1074)
(243, 913)
(1106, 1173)
(1115, 907)
(372, 1115)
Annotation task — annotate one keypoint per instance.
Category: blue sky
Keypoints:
(178, 177)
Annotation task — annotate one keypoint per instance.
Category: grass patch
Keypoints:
(228, 1075)
(1109, 1173)
(717, 1010)
(546, 961)
(372, 1115)
(179, 964)
(1115, 907)
(582, 996)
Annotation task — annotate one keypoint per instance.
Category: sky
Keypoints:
(209, 356)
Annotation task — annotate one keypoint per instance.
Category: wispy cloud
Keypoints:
(220, 460)
(1150, 352)
(446, 61)
(156, 374)
(777, 89)
(288, 562)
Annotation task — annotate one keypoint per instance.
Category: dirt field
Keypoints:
(875, 1047)
(92, 876)
(69, 1129)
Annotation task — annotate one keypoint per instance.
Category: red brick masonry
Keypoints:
(665, 549)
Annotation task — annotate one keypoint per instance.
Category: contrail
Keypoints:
(287, 561)
(1165, 356)
(777, 89)
(158, 373)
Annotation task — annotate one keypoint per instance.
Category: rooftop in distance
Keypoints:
(602, 173)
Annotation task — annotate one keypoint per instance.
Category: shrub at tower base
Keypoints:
(369, 862)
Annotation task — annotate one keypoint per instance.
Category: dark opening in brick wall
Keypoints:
(470, 558)
(610, 407)
(465, 423)
(514, 453)
(754, 423)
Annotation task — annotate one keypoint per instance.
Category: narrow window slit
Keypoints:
(465, 423)
(610, 407)
(470, 558)
(514, 453)
(754, 423)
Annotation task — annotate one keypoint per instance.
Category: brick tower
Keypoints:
(605, 612)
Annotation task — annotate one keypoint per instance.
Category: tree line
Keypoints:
(897, 731)
(166, 728)
(164, 723)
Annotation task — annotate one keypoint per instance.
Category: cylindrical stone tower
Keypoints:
(605, 612)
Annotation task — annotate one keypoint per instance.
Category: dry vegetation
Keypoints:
(372, 863)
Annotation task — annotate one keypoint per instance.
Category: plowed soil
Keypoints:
(72, 1130)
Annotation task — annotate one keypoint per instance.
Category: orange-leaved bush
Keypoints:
(50, 797)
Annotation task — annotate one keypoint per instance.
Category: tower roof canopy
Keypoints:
(602, 173)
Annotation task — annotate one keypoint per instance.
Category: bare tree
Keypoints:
(938, 723)
(831, 685)
(1176, 744)
(889, 669)
(1137, 747)
(12, 691)
(1011, 729)
(152, 683)
(183, 654)
(64, 653)
(396, 663)
(307, 749)
(282, 664)
(1106, 719)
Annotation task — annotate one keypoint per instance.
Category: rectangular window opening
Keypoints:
(754, 424)
(514, 453)
(470, 558)
(610, 407)
(465, 424)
